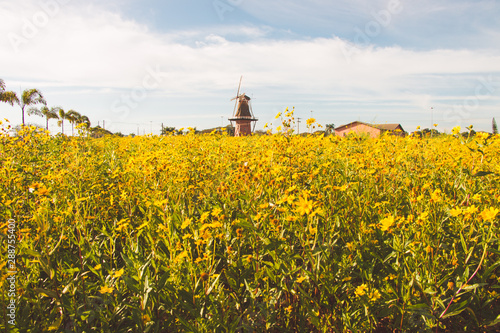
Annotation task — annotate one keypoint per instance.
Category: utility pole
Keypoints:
(298, 125)
(432, 120)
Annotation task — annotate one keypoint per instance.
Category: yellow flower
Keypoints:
(361, 290)
(181, 256)
(300, 279)
(456, 130)
(471, 209)
(278, 115)
(42, 190)
(216, 211)
(312, 230)
(489, 214)
(482, 135)
(186, 223)
(455, 212)
(118, 273)
(436, 196)
(386, 223)
(106, 290)
(450, 285)
(390, 277)
(374, 295)
(97, 267)
(304, 206)
(310, 121)
(204, 216)
(423, 216)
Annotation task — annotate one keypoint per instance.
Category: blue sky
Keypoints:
(138, 64)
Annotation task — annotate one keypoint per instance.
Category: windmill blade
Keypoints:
(239, 86)
(237, 96)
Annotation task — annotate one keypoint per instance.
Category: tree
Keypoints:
(62, 116)
(30, 97)
(494, 128)
(329, 128)
(44, 111)
(84, 120)
(7, 96)
(167, 130)
(72, 116)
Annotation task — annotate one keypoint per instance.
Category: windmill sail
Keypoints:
(242, 114)
(237, 95)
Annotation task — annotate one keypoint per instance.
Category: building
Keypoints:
(372, 130)
(242, 115)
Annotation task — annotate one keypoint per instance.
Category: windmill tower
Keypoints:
(242, 114)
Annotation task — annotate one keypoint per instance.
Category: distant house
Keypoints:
(373, 130)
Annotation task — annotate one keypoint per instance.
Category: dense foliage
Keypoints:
(203, 233)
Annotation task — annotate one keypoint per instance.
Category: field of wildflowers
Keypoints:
(278, 233)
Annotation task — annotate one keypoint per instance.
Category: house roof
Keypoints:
(387, 127)
(383, 127)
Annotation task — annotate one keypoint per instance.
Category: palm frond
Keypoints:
(32, 96)
(9, 97)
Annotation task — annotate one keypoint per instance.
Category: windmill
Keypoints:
(242, 114)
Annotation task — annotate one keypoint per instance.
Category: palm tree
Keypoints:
(84, 120)
(45, 112)
(72, 116)
(30, 97)
(51, 114)
(7, 96)
(62, 116)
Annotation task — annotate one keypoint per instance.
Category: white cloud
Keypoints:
(86, 50)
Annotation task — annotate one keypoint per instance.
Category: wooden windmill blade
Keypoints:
(237, 96)
(251, 110)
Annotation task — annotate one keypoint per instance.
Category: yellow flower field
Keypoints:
(279, 233)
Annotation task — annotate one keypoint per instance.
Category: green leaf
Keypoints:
(56, 324)
(131, 284)
(46, 292)
(483, 173)
(457, 309)
(31, 252)
(474, 286)
(493, 322)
